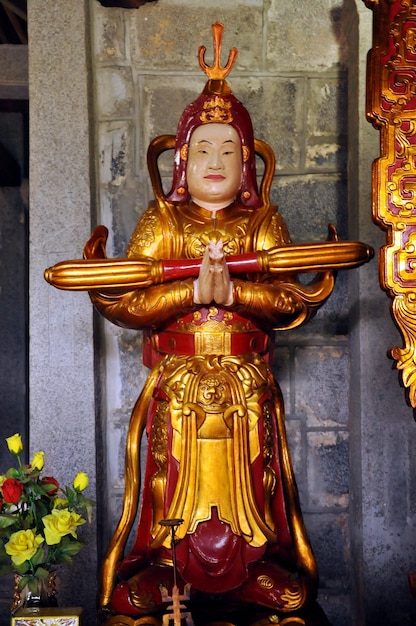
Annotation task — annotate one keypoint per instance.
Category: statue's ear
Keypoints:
(156, 148)
(167, 211)
(265, 152)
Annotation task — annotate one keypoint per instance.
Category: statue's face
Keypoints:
(214, 167)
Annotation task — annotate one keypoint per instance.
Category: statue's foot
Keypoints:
(271, 586)
(210, 612)
(145, 593)
(125, 620)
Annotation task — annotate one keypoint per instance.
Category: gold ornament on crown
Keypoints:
(216, 110)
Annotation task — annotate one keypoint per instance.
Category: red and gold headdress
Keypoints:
(216, 104)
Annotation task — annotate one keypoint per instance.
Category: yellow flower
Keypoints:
(2, 479)
(80, 481)
(23, 545)
(15, 444)
(60, 503)
(38, 460)
(59, 523)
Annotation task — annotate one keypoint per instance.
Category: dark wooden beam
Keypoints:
(16, 25)
(3, 36)
(12, 6)
(125, 4)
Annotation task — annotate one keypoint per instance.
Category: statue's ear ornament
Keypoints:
(184, 152)
(246, 153)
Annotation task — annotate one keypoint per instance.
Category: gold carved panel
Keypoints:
(391, 108)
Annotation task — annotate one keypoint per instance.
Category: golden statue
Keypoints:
(210, 275)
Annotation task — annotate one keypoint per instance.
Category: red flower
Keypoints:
(12, 490)
(51, 484)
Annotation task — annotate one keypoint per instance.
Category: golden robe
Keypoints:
(218, 457)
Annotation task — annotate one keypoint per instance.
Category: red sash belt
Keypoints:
(217, 343)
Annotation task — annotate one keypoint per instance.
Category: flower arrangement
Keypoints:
(38, 519)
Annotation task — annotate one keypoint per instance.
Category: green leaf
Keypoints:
(60, 554)
(71, 497)
(72, 548)
(42, 508)
(27, 521)
(13, 473)
(23, 582)
(42, 573)
(36, 488)
(33, 584)
(7, 520)
(65, 559)
(38, 557)
(66, 539)
(23, 568)
(47, 487)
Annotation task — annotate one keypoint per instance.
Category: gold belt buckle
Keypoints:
(213, 343)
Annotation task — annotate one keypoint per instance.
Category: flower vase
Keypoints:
(43, 596)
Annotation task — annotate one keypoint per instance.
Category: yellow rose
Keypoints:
(60, 503)
(2, 479)
(59, 523)
(15, 444)
(38, 460)
(80, 481)
(23, 545)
